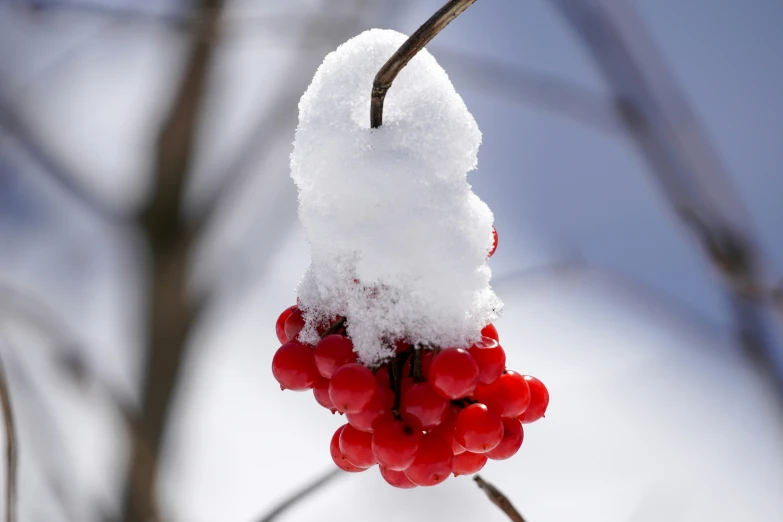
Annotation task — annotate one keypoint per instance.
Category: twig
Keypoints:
(302, 493)
(414, 44)
(499, 499)
(10, 448)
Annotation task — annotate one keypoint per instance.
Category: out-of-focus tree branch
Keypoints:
(10, 447)
(303, 493)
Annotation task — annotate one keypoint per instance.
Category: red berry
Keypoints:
(433, 462)
(352, 387)
(512, 440)
(401, 345)
(539, 400)
(382, 377)
(445, 430)
(337, 455)
(321, 393)
(377, 410)
(422, 407)
(357, 447)
(508, 396)
(280, 325)
(478, 429)
(294, 366)
(494, 242)
(491, 332)
(454, 373)
(294, 323)
(468, 463)
(395, 444)
(332, 352)
(490, 357)
(396, 478)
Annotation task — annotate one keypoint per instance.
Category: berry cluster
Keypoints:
(424, 414)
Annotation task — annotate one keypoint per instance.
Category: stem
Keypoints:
(301, 494)
(335, 327)
(10, 443)
(409, 49)
(499, 499)
(395, 380)
(416, 365)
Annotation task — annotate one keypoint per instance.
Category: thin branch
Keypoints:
(302, 494)
(499, 499)
(10, 447)
(414, 44)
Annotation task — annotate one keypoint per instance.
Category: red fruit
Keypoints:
(512, 441)
(539, 400)
(401, 345)
(337, 455)
(491, 332)
(395, 444)
(422, 407)
(445, 430)
(294, 323)
(357, 447)
(494, 242)
(321, 393)
(454, 373)
(352, 387)
(332, 352)
(382, 377)
(396, 478)
(294, 367)
(433, 463)
(377, 410)
(478, 429)
(490, 357)
(468, 463)
(508, 396)
(280, 325)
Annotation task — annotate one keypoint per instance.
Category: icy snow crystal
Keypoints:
(398, 239)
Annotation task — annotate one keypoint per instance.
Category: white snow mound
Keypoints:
(398, 239)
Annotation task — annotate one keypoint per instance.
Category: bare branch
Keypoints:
(10, 447)
(414, 44)
(302, 494)
(499, 499)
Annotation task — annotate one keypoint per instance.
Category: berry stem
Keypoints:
(301, 494)
(335, 327)
(416, 365)
(395, 380)
(499, 499)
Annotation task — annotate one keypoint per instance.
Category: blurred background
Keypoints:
(149, 240)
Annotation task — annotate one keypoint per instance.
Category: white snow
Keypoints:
(391, 207)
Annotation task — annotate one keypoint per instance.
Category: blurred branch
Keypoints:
(10, 447)
(302, 494)
(409, 49)
(499, 499)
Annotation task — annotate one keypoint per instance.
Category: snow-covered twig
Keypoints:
(10, 445)
(499, 499)
(301, 494)
(414, 44)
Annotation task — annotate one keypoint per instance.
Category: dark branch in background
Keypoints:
(10, 448)
(499, 499)
(414, 44)
(302, 493)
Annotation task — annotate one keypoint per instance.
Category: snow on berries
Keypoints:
(393, 322)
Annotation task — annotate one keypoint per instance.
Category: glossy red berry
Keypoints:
(294, 366)
(357, 447)
(396, 478)
(433, 463)
(352, 388)
(382, 377)
(539, 400)
(422, 407)
(321, 393)
(454, 373)
(337, 455)
(491, 332)
(280, 325)
(378, 409)
(332, 352)
(294, 323)
(395, 443)
(445, 430)
(478, 429)
(508, 396)
(512, 441)
(490, 357)
(467, 463)
(494, 242)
